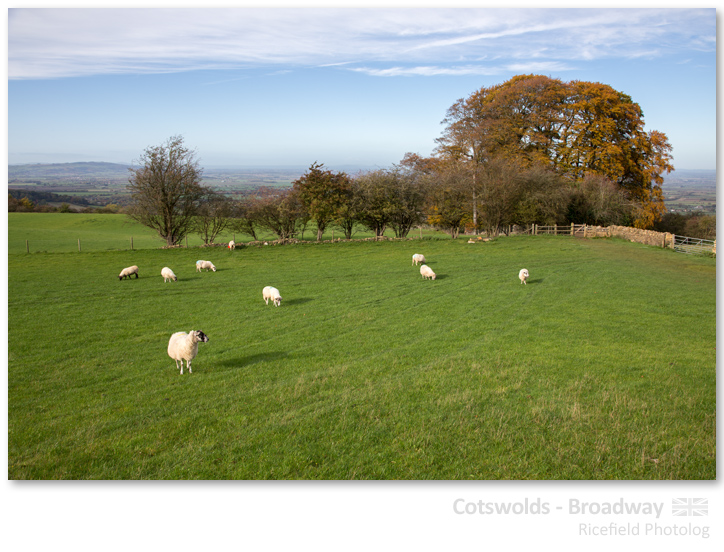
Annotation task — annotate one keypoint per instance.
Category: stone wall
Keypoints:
(647, 237)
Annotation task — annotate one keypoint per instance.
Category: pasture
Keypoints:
(602, 367)
(60, 232)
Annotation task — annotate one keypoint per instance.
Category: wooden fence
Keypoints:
(683, 244)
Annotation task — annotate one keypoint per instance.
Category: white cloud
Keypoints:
(51, 43)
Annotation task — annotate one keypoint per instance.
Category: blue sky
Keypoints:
(360, 87)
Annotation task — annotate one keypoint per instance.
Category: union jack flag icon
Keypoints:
(690, 506)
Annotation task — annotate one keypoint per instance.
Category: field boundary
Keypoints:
(682, 244)
(666, 240)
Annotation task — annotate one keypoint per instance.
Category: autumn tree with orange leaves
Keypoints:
(576, 128)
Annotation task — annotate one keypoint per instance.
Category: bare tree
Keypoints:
(244, 217)
(166, 190)
(213, 216)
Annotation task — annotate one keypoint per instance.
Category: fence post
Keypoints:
(27, 247)
(555, 229)
(535, 229)
(572, 230)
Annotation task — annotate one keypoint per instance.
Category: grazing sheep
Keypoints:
(232, 245)
(128, 272)
(523, 275)
(168, 274)
(427, 272)
(205, 264)
(271, 293)
(184, 346)
(418, 258)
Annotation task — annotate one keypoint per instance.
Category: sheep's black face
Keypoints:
(202, 336)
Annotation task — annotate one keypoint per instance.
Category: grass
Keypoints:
(602, 367)
(60, 232)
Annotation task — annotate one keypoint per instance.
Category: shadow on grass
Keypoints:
(536, 281)
(296, 301)
(250, 360)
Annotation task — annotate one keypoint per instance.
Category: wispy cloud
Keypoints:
(49, 43)
(463, 70)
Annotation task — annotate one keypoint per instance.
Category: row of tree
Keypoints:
(168, 197)
(530, 150)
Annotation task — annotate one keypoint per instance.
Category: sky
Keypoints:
(339, 86)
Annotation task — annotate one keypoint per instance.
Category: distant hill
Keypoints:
(67, 171)
(691, 177)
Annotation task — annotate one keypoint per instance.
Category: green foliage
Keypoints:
(366, 371)
(323, 194)
(692, 225)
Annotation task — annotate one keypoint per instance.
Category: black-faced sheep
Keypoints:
(128, 272)
(184, 346)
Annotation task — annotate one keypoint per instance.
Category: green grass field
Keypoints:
(60, 232)
(602, 367)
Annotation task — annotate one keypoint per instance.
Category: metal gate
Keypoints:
(693, 246)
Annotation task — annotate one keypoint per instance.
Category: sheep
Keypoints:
(418, 258)
(523, 275)
(168, 274)
(128, 272)
(427, 272)
(184, 346)
(232, 245)
(271, 293)
(205, 264)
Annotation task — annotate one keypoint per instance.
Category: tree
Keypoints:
(372, 202)
(545, 197)
(348, 211)
(166, 190)
(322, 193)
(406, 197)
(448, 199)
(280, 212)
(244, 217)
(577, 128)
(213, 216)
(501, 183)
(599, 201)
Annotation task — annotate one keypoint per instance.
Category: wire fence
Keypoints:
(60, 243)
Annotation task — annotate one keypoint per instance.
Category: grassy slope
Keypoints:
(603, 366)
(59, 233)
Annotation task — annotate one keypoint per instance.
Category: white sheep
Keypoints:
(418, 258)
(184, 346)
(427, 272)
(271, 293)
(205, 264)
(232, 245)
(168, 274)
(128, 272)
(523, 275)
